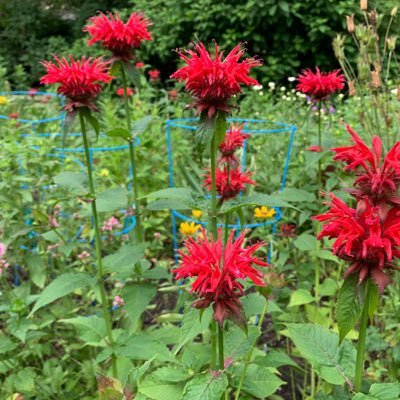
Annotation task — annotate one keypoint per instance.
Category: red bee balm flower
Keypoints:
(116, 36)
(217, 269)
(376, 179)
(320, 85)
(369, 242)
(229, 182)
(233, 141)
(80, 80)
(154, 75)
(120, 92)
(214, 81)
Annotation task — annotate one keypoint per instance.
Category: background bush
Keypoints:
(287, 34)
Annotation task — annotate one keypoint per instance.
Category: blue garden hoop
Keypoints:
(36, 122)
(190, 124)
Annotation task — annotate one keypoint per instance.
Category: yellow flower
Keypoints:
(264, 212)
(188, 228)
(3, 100)
(197, 213)
(104, 172)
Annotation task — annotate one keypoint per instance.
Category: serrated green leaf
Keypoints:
(306, 242)
(300, 297)
(206, 386)
(72, 181)
(61, 286)
(348, 307)
(119, 132)
(137, 297)
(113, 199)
(124, 260)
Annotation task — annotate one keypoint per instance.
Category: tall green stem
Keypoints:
(221, 347)
(213, 156)
(135, 186)
(98, 246)
(250, 353)
(320, 145)
(361, 339)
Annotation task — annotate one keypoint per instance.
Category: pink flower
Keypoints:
(3, 266)
(84, 255)
(233, 141)
(120, 92)
(111, 224)
(3, 249)
(139, 65)
(118, 301)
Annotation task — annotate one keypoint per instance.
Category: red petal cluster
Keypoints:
(233, 141)
(320, 85)
(376, 179)
(154, 75)
(217, 269)
(369, 242)
(80, 80)
(213, 81)
(229, 182)
(116, 36)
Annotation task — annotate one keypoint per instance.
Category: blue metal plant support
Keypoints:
(252, 127)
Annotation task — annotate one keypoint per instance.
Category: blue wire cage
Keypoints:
(59, 115)
(253, 128)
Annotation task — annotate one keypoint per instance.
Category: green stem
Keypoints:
(361, 340)
(213, 156)
(213, 345)
(221, 347)
(98, 246)
(135, 186)
(250, 353)
(320, 145)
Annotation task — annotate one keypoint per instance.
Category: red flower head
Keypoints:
(154, 75)
(320, 85)
(13, 115)
(120, 92)
(369, 242)
(214, 81)
(233, 140)
(139, 65)
(116, 36)
(80, 80)
(173, 94)
(229, 182)
(316, 149)
(288, 230)
(32, 92)
(217, 269)
(376, 179)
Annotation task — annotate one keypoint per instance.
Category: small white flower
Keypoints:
(261, 93)
(291, 79)
(282, 89)
(271, 85)
(257, 87)
(394, 91)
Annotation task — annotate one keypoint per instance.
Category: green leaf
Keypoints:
(92, 330)
(320, 347)
(124, 260)
(157, 389)
(253, 304)
(373, 300)
(328, 287)
(275, 359)
(143, 124)
(170, 193)
(137, 297)
(167, 204)
(306, 242)
(112, 200)
(119, 132)
(91, 120)
(61, 286)
(192, 325)
(325, 255)
(295, 195)
(381, 391)
(136, 374)
(143, 347)
(348, 306)
(206, 386)
(74, 182)
(6, 344)
(237, 344)
(37, 269)
(258, 199)
(300, 297)
(258, 381)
